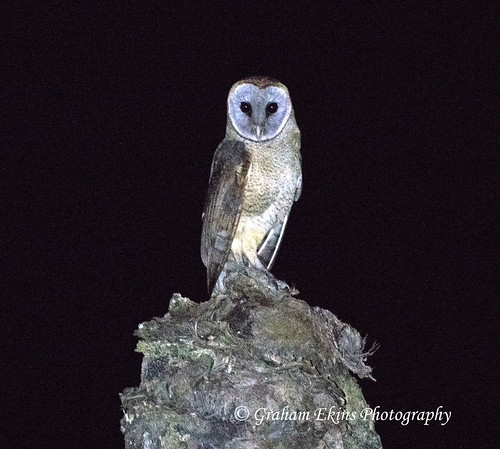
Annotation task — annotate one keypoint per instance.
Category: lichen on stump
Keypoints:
(253, 349)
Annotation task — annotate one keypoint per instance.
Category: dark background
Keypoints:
(113, 114)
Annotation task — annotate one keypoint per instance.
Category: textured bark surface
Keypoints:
(253, 350)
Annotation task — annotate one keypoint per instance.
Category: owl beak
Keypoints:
(258, 131)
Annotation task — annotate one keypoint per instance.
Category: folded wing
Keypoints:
(223, 205)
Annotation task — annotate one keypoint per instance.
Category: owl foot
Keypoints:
(267, 278)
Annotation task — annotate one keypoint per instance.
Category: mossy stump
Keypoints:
(251, 368)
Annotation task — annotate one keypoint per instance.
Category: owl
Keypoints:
(255, 178)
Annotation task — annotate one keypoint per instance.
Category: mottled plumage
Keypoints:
(255, 177)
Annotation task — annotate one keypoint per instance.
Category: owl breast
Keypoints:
(272, 181)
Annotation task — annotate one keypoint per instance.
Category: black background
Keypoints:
(114, 113)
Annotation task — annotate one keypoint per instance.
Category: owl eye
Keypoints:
(271, 108)
(245, 107)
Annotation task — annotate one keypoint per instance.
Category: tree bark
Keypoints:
(253, 367)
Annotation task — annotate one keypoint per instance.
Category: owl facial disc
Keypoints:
(256, 113)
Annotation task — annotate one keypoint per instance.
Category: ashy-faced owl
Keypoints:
(255, 178)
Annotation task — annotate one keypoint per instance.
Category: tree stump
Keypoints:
(251, 368)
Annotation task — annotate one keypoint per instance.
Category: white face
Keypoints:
(258, 114)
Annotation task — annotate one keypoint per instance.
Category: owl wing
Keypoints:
(223, 205)
(269, 246)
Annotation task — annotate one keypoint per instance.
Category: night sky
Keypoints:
(113, 115)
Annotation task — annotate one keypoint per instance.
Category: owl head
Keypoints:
(258, 108)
